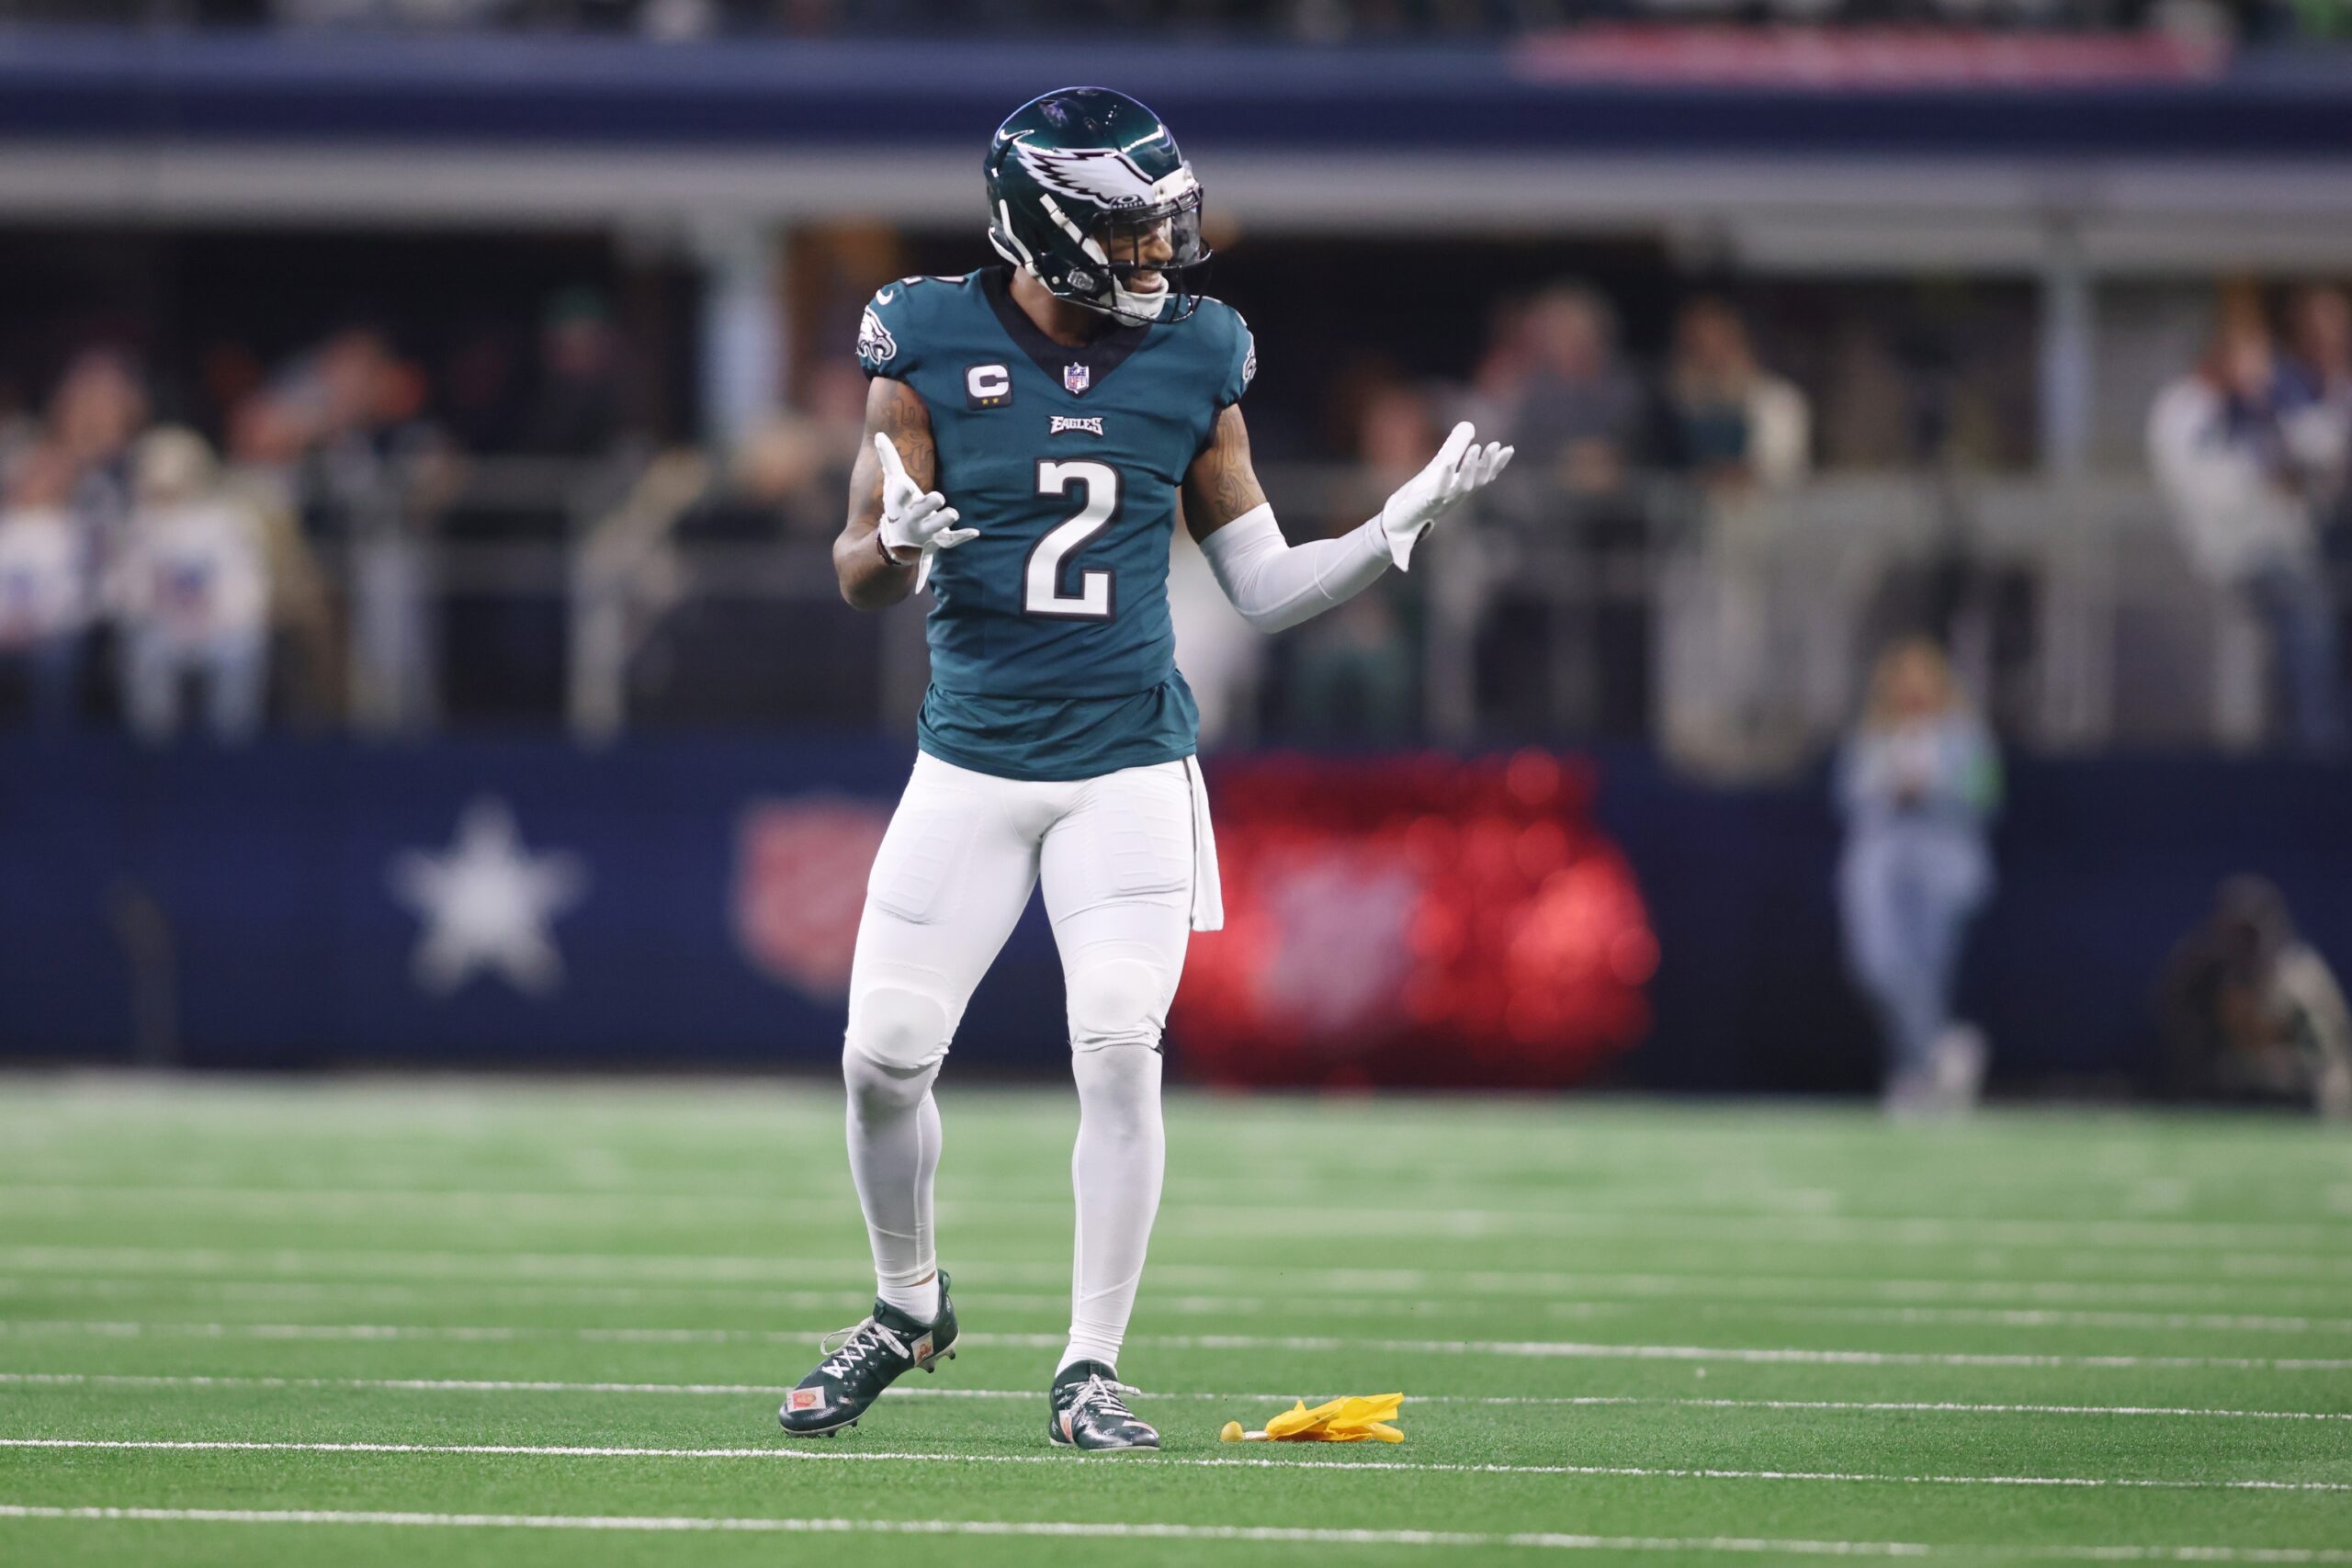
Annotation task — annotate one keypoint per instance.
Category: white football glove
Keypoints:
(1460, 467)
(914, 521)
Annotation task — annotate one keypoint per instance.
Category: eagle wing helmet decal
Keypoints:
(1104, 177)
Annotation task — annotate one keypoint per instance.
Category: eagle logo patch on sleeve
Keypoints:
(875, 343)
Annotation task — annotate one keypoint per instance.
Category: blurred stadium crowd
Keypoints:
(1320, 21)
(367, 535)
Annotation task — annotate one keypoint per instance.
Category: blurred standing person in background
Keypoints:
(2316, 389)
(2251, 1011)
(44, 586)
(2316, 396)
(264, 447)
(1354, 673)
(98, 410)
(577, 407)
(372, 476)
(1736, 426)
(1918, 782)
(1580, 416)
(194, 593)
(2226, 465)
(1742, 436)
(1577, 413)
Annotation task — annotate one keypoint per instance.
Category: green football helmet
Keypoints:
(1079, 182)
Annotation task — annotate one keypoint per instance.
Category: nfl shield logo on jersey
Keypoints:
(1076, 379)
(801, 868)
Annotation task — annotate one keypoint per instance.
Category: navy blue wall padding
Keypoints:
(272, 868)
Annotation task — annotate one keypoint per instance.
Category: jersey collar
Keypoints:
(1101, 356)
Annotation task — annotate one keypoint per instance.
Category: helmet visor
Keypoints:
(1154, 240)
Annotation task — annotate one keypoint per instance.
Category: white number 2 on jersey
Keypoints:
(1041, 591)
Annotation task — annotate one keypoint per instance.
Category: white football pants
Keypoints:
(1128, 868)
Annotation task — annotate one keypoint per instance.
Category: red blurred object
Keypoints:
(1415, 921)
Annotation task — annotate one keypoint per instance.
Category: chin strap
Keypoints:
(1136, 307)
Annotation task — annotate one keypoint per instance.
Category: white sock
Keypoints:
(894, 1138)
(918, 1301)
(1115, 1173)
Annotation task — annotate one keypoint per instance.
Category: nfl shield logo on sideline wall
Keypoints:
(801, 868)
(1077, 377)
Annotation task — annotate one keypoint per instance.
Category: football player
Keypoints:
(1030, 427)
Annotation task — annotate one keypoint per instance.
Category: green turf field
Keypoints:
(381, 1322)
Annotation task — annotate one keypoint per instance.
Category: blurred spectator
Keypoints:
(776, 489)
(2251, 1011)
(1734, 425)
(44, 582)
(576, 410)
(836, 406)
(1562, 638)
(265, 446)
(372, 474)
(98, 408)
(2315, 397)
(194, 593)
(482, 387)
(2224, 461)
(1918, 782)
(1574, 413)
(1352, 671)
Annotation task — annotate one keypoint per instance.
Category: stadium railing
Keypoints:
(1732, 628)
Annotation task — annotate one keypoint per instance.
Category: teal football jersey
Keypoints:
(1052, 655)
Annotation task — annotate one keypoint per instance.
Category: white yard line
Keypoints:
(719, 1270)
(831, 1454)
(1261, 1218)
(2024, 1318)
(1285, 1534)
(1537, 1348)
(927, 1391)
(851, 1298)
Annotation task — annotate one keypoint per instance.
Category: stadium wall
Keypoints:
(320, 902)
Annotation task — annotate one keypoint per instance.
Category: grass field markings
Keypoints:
(1266, 1219)
(1715, 1195)
(1189, 1461)
(1060, 1530)
(715, 1269)
(845, 1299)
(1534, 1349)
(851, 1298)
(926, 1390)
(1741, 1190)
(2042, 1317)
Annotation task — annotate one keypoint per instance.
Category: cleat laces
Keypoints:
(847, 1349)
(1101, 1395)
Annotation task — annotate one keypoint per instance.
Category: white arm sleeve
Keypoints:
(1276, 585)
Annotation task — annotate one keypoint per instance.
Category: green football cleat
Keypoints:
(1088, 1414)
(860, 1362)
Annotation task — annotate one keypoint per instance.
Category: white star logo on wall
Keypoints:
(488, 905)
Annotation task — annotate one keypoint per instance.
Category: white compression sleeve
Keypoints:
(1276, 585)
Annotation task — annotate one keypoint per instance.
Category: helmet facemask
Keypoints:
(1162, 242)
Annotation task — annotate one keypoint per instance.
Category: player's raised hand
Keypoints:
(1461, 468)
(914, 520)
